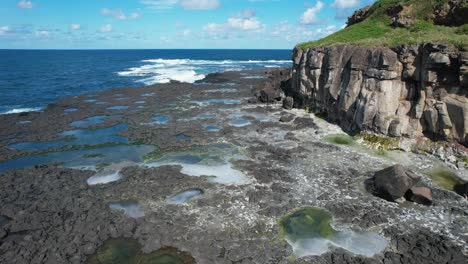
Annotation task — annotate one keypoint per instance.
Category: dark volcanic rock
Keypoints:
(462, 189)
(421, 195)
(359, 16)
(286, 118)
(410, 90)
(288, 102)
(393, 182)
(418, 247)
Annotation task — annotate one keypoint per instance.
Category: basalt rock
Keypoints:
(392, 183)
(410, 90)
(421, 195)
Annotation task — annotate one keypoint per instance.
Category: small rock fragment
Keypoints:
(420, 195)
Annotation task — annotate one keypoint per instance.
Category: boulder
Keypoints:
(393, 182)
(288, 103)
(286, 118)
(359, 16)
(420, 195)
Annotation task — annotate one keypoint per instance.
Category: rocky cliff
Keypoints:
(409, 90)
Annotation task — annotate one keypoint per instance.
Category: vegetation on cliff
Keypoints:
(393, 22)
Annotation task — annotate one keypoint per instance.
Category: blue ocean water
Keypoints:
(31, 79)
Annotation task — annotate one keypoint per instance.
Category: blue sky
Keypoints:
(127, 24)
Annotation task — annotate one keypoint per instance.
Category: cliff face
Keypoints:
(407, 91)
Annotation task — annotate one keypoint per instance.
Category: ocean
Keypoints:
(31, 79)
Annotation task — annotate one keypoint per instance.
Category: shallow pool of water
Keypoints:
(82, 159)
(340, 139)
(130, 208)
(182, 137)
(104, 178)
(309, 232)
(78, 138)
(444, 177)
(218, 101)
(118, 107)
(213, 161)
(4, 220)
(93, 120)
(128, 251)
(240, 123)
(24, 122)
(160, 120)
(212, 128)
(70, 110)
(185, 196)
(222, 90)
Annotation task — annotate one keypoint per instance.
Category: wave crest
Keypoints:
(154, 71)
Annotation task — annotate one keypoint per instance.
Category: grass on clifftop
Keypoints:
(376, 30)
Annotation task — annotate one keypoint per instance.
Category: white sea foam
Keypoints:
(22, 110)
(186, 70)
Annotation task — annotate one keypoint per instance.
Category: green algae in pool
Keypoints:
(340, 139)
(444, 177)
(128, 251)
(307, 223)
(309, 232)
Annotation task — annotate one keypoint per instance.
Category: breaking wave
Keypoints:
(185, 70)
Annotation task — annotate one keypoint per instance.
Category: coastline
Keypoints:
(273, 168)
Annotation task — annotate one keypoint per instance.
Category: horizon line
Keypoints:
(144, 49)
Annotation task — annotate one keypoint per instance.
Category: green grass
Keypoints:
(376, 30)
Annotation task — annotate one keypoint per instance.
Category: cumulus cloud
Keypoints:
(106, 28)
(4, 30)
(310, 15)
(25, 4)
(186, 4)
(119, 14)
(246, 21)
(75, 26)
(342, 4)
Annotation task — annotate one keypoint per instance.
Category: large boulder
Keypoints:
(393, 182)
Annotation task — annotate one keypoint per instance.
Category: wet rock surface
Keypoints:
(50, 214)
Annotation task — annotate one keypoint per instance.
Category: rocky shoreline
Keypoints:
(253, 165)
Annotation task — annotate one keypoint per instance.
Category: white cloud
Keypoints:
(119, 14)
(186, 4)
(341, 4)
(199, 4)
(293, 33)
(4, 30)
(186, 33)
(246, 21)
(75, 26)
(310, 15)
(106, 28)
(25, 4)
(42, 33)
